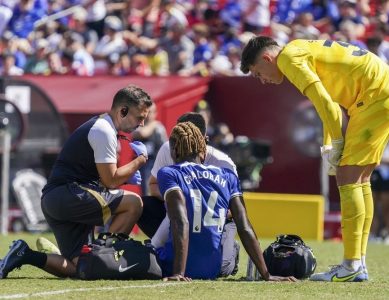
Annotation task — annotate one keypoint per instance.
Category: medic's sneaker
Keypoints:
(339, 273)
(45, 246)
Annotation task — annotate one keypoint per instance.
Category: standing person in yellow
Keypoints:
(333, 74)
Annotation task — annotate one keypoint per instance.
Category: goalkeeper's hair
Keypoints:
(195, 118)
(253, 48)
(187, 142)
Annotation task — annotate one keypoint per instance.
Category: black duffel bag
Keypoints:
(290, 256)
(115, 256)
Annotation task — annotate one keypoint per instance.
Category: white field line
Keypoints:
(110, 288)
(107, 288)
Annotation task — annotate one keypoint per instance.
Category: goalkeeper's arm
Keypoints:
(327, 140)
(331, 116)
(329, 111)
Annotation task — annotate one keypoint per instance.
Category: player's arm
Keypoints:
(179, 224)
(249, 239)
(154, 188)
(296, 64)
(329, 111)
(326, 134)
(331, 116)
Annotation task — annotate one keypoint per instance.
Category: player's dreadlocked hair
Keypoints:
(187, 141)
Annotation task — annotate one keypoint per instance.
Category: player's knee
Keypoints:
(132, 202)
(351, 174)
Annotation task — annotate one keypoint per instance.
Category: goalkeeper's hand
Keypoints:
(331, 155)
(336, 152)
(325, 154)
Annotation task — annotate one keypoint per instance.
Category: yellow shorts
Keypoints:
(367, 134)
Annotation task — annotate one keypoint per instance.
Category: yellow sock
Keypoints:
(369, 212)
(353, 217)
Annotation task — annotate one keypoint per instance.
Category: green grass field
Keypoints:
(30, 282)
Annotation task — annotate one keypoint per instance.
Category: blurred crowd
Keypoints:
(171, 37)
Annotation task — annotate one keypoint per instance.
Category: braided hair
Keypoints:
(186, 141)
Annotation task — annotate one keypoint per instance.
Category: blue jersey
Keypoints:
(208, 191)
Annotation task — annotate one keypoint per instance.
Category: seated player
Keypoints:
(197, 200)
(154, 212)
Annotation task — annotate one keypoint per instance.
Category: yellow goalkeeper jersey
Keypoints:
(353, 77)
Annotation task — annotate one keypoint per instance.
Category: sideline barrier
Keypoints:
(273, 214)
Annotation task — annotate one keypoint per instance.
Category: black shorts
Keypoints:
(378, 182)
(152, 215)
(73, 210)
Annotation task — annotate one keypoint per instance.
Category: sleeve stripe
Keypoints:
(170, 189)
(235, 195)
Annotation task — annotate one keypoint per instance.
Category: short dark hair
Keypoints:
(252, 49)
(196, 119)
(131, 95)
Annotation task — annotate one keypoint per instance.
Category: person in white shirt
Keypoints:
(255, 15)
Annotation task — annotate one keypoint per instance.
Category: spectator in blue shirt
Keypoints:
(25, 14)
(203, 50)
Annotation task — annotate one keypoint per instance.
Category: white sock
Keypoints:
(160, 237)
(363, 260)
(352, 264)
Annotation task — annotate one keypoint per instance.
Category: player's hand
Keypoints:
(135, 179)
(177, 278)
(280, 278)
(336, 152)
(139, 148)
(325, 154)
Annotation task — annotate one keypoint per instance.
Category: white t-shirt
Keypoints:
(213, 157)
(103, 140)
(260, 15)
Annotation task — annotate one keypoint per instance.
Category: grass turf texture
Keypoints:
(30, 282)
